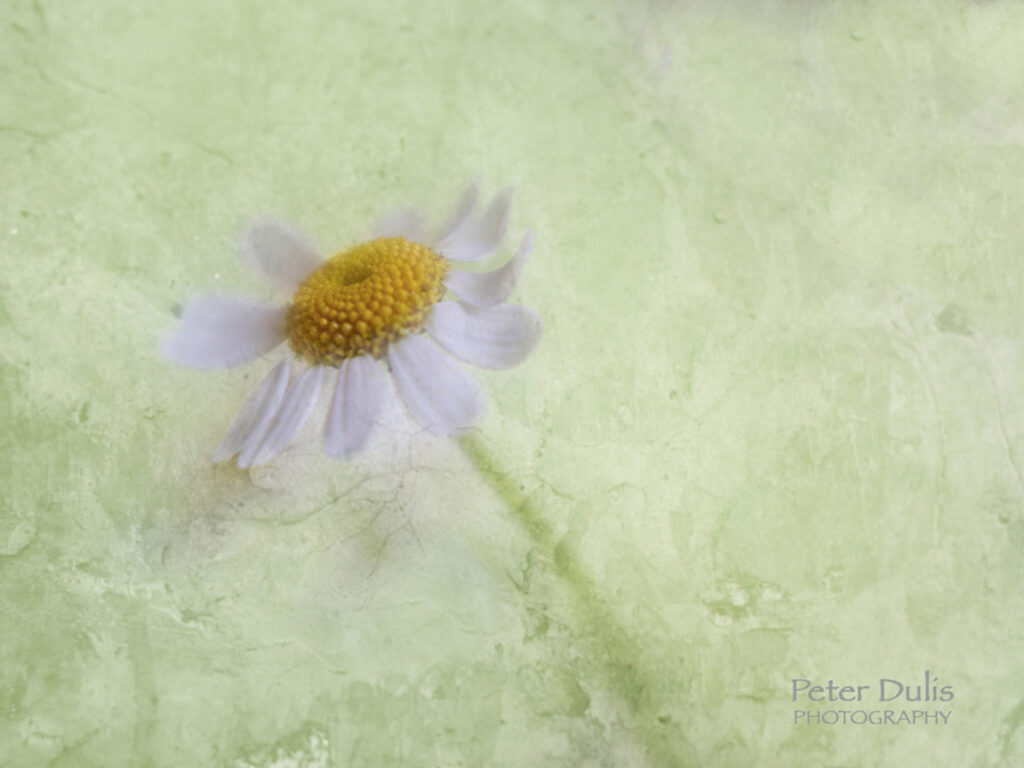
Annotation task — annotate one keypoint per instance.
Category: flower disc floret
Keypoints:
(363, 299)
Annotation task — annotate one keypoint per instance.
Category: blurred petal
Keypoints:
(485, 289)
(283, 255)
(407, 223)
(298, 404)
(461, 215)
(491, 337)
(222, 332)
(438, 394)
(256, 414)
(481, 236)
(358, 400)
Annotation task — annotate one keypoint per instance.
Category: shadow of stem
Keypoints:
(627, 676)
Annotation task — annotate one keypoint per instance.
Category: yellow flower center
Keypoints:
(362, 299)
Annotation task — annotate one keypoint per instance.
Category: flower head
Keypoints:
(374, 308)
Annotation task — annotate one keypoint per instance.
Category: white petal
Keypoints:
(480, 237)
(252, 443)
(256, 413)
(222, 332)
(281, 254)
(490, 337)
(438, 394)
(461, 215)
(298, 404)
(407, 223)
(358, 400)
(485, 289)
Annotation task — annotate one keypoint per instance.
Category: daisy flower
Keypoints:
(376, 308)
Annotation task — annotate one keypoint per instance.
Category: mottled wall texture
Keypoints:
(774, 430)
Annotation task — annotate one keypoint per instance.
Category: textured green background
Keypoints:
(775, 428)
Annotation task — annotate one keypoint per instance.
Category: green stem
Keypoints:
(626, 676)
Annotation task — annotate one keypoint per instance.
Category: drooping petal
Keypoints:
(437, 393)
(298, 403)
(460, 217)
(222, 332)
(406, 222)
(256, 414)
(489, 337)
(481, 236)
(485, 289)
(357, 403)
(255, 439)
(284, 256)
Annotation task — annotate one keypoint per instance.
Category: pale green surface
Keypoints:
(774, 429)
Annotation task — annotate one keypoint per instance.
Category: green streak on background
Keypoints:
(775, 428)
(625, 672)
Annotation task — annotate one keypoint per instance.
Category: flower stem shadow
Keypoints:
(625, 671)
